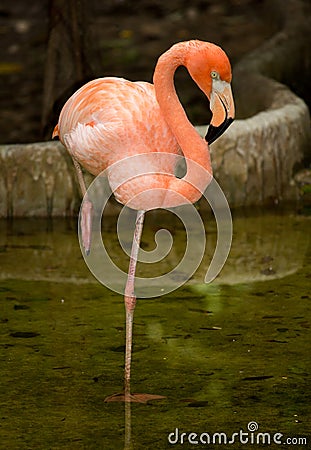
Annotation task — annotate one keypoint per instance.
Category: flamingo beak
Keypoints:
(222, 107)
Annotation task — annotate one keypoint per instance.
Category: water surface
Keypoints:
(224, 354)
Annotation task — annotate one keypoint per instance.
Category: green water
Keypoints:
(223, 354)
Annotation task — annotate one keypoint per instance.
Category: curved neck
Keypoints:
(192, 145)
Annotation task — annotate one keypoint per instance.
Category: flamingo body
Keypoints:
(110, 119)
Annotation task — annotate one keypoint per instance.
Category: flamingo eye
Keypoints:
(215, 75)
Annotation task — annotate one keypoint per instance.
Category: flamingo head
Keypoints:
(210, 68)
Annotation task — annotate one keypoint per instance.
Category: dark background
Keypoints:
(49, 48)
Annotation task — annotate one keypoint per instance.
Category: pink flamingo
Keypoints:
(110, 119)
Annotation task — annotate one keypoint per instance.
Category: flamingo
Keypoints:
(111, 119)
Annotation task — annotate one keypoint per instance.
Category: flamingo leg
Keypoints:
(86, 210)
(80, 176)
(130, 300)
(130, 303)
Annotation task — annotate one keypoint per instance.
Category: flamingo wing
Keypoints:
(109, 119)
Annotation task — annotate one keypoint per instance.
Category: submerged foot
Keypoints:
(136, 398)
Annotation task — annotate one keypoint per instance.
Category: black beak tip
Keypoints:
(214, 133)
(211, 134)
